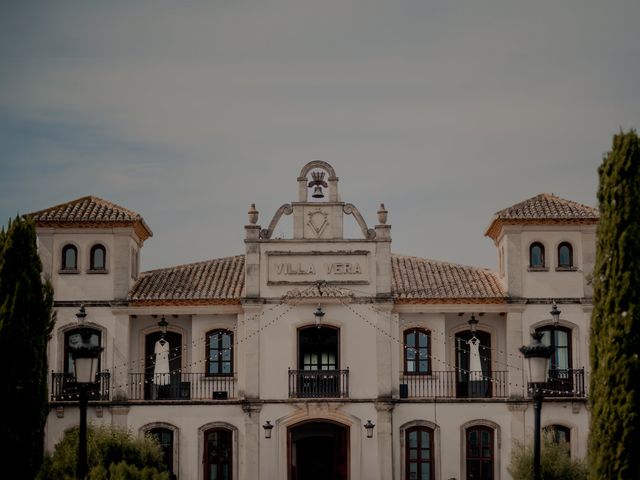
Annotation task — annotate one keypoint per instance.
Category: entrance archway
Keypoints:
(318, 450)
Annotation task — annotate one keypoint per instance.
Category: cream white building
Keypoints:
(319, 336)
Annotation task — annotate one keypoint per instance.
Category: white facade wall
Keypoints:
(265, 328)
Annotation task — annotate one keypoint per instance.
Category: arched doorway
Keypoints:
(473, 364)
(318, 373)
(218, 454)
(163, 383)
(318, 450)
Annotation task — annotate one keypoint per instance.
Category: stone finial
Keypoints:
(253, 214)
(382, 214)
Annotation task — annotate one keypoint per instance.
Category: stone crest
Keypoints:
(318, 221)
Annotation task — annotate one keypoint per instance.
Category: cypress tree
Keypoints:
(25, 328)
(615, 327)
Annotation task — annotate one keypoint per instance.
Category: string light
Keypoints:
(292, 299)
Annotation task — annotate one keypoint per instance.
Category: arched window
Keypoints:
(565, 255)
(562, 378)
(479, 453)
(98, 257)
(218, 454)
(560, 433)
(536, 255)
(560, 339)
(419, 458)
(220, 352)
(69, 258)
(473, 365)
(417, 346)
(72, 338)
(164, 437)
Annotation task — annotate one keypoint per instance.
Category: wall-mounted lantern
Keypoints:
(267, 429)
(473, 324)
(369, 426)
(318, 314)
(163, 324)
(555, 314)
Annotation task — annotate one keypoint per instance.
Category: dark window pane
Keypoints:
(413, 439)
(97, 258)
(536, 256)
(69, 258)
(565, 255)
(220, 352)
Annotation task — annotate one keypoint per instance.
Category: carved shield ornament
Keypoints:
(318, 221)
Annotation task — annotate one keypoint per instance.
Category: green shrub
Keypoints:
(555, 462)
(112, 454)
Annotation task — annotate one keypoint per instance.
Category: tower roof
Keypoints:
(545, 208)
(91, 211)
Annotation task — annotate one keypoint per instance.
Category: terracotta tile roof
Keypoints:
(542, 209)
(548, 205)
(90, 211)
(420, 278)
(221, 278)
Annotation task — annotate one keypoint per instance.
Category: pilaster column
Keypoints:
(251, 347)
(252, 261)
(384, 350)
(517, 377)
(121, 357)
(383, 260)
(384, 429)
(250, 461)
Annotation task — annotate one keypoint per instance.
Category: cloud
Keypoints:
(446, 111)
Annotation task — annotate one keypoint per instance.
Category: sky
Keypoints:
(187, 112)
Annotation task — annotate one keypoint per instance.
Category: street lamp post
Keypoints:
(85, 365)
(537, 355)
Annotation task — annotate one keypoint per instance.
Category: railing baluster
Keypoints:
(318, 383)
(452, 384)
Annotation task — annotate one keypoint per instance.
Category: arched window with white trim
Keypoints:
(69, 258)
(480, 456)
(419, 453)
(98, 258)
(565, 255)
(536, 255)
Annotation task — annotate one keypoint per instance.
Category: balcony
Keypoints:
(455, 384)
(565, 383)
(319, 383)
(65, 389)
(181, 386)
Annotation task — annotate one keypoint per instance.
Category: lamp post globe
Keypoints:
(537, 355)
(85, 358)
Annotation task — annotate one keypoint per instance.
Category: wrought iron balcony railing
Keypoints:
(64, 387)
(565, 383)
(181, 386)
(319, 383)
(454, 384)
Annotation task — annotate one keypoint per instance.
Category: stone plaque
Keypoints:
(309, 267)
